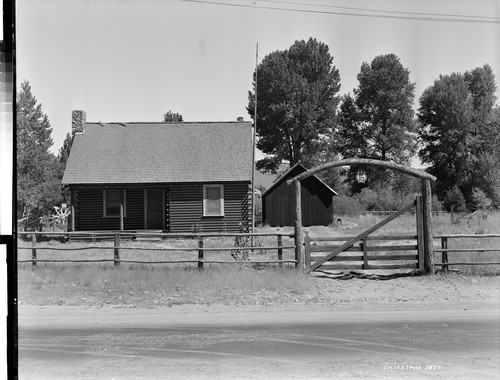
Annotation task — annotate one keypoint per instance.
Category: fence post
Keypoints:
(307, 253)
(428, 242)
(299, 252)
(200, 252)
(365, 258)
(117, 250)
(280, 250)
(420, 232)
(33, 249)
(444, 254)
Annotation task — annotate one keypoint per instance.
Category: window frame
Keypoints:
(105, 213)
(221, 199)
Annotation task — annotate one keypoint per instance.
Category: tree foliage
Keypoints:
(62, 159)
(377, 122)
(384, 99)
(322, 152)
(38, 187)
(454, 200)
(172, 117)
(479, 199)
(459, 128)
(64, 151)
(297, 98)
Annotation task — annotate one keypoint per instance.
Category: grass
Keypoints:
(476, 225)
(152, 285)
(144, 285)
(351, 225)
(442, 224)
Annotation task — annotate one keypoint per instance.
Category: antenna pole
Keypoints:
(253, 140)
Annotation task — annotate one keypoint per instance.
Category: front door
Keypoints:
(154, 209)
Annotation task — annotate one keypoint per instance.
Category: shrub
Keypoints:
(454, 200)
(383, 200)
(479, 199)
(368, 198)
(437, 205)
(240, 253)
(344, 205)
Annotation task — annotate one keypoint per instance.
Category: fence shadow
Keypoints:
(352, 274)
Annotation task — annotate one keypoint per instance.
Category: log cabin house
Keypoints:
(171, 177)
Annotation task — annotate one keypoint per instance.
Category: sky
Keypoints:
(131, 60)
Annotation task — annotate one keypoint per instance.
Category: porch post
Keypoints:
(428, 238)
(121, 216)
(73, 217)
(299, 252)
(121, 210)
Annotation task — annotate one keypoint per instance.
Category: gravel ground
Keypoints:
(324, 292)
(344, 298)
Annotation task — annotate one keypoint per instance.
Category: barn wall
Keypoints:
(183, 208)
(279, 203)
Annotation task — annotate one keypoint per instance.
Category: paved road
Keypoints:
(433, 344)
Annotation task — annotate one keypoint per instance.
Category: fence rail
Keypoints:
(445, 264)
(118, 248)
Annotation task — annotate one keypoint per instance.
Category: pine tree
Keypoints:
(62, 159)
(38, 186)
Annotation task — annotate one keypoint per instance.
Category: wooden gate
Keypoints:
(425, 206)
(361, 251)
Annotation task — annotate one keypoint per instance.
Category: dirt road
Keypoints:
(114, 343)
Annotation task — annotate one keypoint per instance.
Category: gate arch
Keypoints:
(425, 178)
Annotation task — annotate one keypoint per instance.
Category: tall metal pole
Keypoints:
(253, 140)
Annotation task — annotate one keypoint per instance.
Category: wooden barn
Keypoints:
(278, 201)
(173, 177)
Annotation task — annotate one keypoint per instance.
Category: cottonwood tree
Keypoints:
(459, 127)
(378, 122)
(297, 98)
(38, 185)
(322, 152)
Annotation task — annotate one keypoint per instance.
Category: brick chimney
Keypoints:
(78, 121)
(239, 118)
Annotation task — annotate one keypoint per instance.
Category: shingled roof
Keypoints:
(126, 153)
(286, 176)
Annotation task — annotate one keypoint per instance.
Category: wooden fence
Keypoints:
(368, 253)
(445, 249)
(117, 247)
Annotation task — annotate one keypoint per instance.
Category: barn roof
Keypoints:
(287, 174)
(129, 153)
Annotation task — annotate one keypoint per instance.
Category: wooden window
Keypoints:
(213, 200)
(112, 202)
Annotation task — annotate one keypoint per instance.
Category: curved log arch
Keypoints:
(363, 161)
(425, 236)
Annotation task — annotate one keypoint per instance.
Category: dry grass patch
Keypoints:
(149, 286)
